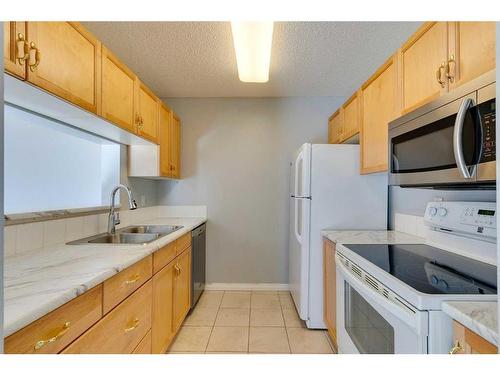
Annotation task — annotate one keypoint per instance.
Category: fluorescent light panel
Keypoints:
(252, 44)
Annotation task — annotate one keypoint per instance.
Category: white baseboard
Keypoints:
(246, 286)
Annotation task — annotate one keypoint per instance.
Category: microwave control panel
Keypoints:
(488, 120)
(474, 218)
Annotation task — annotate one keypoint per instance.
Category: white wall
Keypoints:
(235, 160)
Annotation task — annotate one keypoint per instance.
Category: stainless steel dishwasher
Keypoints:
(198, 263)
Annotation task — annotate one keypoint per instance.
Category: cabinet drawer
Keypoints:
(164, 256)
(121, 330)
(54, 331)
(144, 346)
(183, 242)
(119, 287)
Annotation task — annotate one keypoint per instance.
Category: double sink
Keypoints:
(131, 235)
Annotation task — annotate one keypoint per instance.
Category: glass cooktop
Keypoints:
(431, 270)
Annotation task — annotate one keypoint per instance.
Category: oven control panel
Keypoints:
(473, 218)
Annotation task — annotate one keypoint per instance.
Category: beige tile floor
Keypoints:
(247, 322)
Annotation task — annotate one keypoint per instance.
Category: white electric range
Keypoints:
(389, 296)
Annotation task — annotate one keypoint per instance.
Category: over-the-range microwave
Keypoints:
(448, 143)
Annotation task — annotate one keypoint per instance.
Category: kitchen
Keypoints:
(373, 196)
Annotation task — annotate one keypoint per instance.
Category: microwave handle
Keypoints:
(457, 138)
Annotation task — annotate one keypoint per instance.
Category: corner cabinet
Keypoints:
(65, 60)
(379, 103)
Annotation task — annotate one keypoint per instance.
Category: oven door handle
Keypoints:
(412, 320)
(457, 139)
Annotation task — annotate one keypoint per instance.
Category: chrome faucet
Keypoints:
(114, 218)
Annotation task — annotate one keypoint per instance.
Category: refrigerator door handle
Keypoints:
(300, 157)
(296, 222)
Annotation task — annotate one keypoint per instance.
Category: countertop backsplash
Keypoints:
(22, 238)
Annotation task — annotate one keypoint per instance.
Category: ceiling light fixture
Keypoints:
(252, 44)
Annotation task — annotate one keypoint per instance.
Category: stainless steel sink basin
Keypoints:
(155, 229)
(132, 235)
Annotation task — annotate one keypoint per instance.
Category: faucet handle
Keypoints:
(116, 219)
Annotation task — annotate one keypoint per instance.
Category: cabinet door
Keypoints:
(118, 92)
(423, 65)
(176, 146)
(379, 106)
(162, 330)
(182, 288)
(67, 64)
(165, 141)
(329, 289)
(13, 47)
(351, 117)
(472, 50)
(335, 127)
(148, 111)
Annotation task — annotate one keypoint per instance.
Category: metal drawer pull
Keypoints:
(457, 348)
(133, 280)
(57, 336)
(132, 326)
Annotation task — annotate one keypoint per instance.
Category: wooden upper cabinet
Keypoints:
(176, 146)
(15, 48)
(330, 289)
(351, 118)
(182, 288)
(335, 127)
(65, 60)
(148, 112)
(162, 326)
(471, 50)
(165, 140)
(118, 92)
(379, 103)
(423, 61)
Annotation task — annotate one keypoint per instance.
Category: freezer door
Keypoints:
(300, 210)
(301, 172)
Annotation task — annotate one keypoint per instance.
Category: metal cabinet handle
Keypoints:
(457, 139)
(133, 280)
(178, 269)
(457, 348)
(133, 325)
(450, 70)
(41, 343)
(22, 49)
(34, 54)
(439, 74)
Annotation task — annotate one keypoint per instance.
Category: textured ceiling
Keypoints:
(196, 59)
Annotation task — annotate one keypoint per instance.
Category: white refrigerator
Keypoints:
(327, 192)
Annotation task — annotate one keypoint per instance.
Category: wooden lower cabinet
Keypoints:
(329, 289)
(163, 299)
(51, 333)
(121, 330)
(182, 288)
(466, 341)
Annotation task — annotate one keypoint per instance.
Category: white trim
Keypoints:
(246, 286)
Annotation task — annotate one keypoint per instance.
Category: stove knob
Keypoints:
(443, 284)
(434, 280)
(442, 211)
(433, 211)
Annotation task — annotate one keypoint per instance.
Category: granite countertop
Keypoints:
(479, 317)
(38, 282)
(370, 237)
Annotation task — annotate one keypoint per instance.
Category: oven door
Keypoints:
(441, 147)
(368, 323)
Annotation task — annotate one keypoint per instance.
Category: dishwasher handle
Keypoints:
(198, 231)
